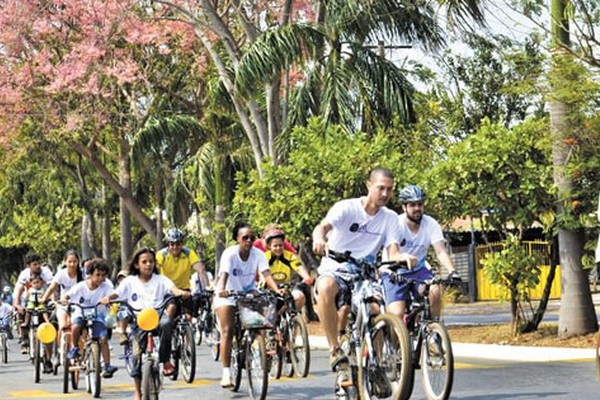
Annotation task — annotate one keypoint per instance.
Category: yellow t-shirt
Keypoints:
(179, 269)
(281, 267)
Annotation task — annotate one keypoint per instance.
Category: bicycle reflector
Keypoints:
(148, 319)
(46, 333)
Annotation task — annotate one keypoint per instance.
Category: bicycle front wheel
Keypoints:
(437, 363)
(386, 370)
(188, 354)
(37, 361)
(150, 380)
(256, 366)
(235, 365)
(299, 346)
(64, 354)
(4, 345)
(94, 370)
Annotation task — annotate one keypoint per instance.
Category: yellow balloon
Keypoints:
(148, 319)
(46, 333)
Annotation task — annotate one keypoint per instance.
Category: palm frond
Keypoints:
(460, 13)
(275, 50)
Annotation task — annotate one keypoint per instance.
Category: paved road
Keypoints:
(475, 379)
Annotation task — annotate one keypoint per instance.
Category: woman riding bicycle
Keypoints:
(146, 288)
(239, 266)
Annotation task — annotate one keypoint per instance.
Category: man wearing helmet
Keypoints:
(7, 295)
(418, 231)
(362, 226)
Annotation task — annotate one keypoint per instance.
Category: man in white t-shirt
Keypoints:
(362, 226)
(417, 232)
(33, 265)
(5, 314)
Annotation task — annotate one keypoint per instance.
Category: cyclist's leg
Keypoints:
(100, 332)
(166, 334)
(327, 289)
(396, 295)
(76, 335)
(299, 299)
(225, 312)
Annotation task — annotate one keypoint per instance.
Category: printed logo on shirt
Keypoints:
(134, 297)
(355, 227)
(81, 300)
(403, 243)
(240, 272)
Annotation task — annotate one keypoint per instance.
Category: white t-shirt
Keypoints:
(196, 285)
(5, 310)
(141, 295)
(242, 274)
(25, 276)
(84, 296)
(430, 232)
(358, 232)
(64, 281)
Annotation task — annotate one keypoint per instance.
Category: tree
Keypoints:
(577, 315)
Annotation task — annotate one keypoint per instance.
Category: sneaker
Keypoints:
(24, 349)
(226, 380)
(73, 353)
(109, 371)
(337, 359)
(168, 369)
(9, 334)
(382, 387)
(48, 367)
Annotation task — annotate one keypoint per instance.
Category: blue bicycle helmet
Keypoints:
(411, 194)
(174, 235)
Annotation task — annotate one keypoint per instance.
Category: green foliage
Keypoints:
(325, 165)
(503, 173)
(513, 269)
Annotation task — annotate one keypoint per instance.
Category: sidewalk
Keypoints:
(502, 352)
(499, 352)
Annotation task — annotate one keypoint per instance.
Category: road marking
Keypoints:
(26, 394)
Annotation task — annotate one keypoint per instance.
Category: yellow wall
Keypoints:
(487, 291)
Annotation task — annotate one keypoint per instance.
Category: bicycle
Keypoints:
(69, 374)
(248, 348)
(379, 345)
(206, 324)
(183, 348)
(36, 318)
(141, 349)
(431, 345)
(89, 363)
(289, 341)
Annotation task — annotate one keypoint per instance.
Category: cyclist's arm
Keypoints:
(201, 269)
(221, 284)
(443, 256)
(17, 297)
(49, 291)
(394, 254)
(271, 284)
(319, 237)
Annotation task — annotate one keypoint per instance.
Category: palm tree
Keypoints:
(345, 80)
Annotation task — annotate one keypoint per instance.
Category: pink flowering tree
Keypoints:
(84, 73)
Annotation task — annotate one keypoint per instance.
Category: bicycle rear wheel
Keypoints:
(213, 340)
(437, 363)
(188, 354)
(176, 354)
(388, 370)
(256, 367)
(299, 346)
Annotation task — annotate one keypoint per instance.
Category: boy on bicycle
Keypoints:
(88, 293)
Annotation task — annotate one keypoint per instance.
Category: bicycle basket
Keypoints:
(257, 315)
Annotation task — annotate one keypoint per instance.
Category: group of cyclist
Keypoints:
(364, 226)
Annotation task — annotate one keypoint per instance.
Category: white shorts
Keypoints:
(223, 301)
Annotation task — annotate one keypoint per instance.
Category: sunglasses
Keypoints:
(173, 244)
(248, 237)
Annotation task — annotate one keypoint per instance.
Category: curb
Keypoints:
(498, 352)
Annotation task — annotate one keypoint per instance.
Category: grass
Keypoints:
(546, 335)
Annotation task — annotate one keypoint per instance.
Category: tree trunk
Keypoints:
(106, 226)
(219, 235)
(87, 247)
(125, 224)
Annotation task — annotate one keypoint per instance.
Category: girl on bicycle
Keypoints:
(239, 267)
(145, 288)
(65, 279)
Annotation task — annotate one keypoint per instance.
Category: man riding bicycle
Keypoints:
(362, 226)
(417, 232)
